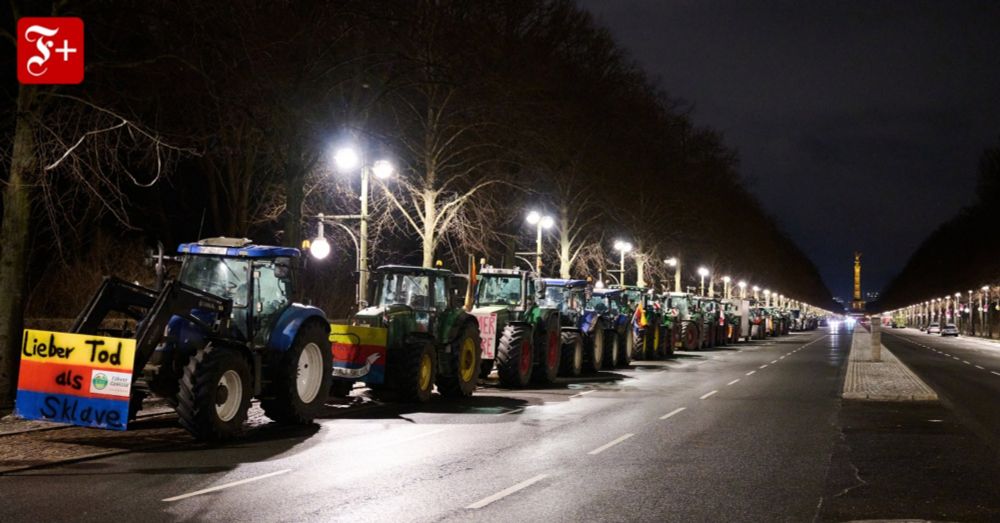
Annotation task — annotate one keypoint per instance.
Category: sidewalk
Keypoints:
(887, 380)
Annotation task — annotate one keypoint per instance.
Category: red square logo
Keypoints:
(50, 50)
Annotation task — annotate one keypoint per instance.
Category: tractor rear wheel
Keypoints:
(550, 351)
(690, 337)
(465, 359)
(611, 349)
(571, 363)
(662, 342)
(214, 394)
(514, 356)
(412, 376)
(595, 356)
(671, 335)
(300, 377)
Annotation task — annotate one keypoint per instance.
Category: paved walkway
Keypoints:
(886, 380)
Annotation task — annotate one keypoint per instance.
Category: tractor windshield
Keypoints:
(223, 277)
(498, 290)
(404, 289)
(554, 296)
(602, 304)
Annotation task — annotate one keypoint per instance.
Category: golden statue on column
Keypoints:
(858, 304)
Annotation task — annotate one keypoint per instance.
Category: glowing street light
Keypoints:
(541, 222)
(702, 271)
(675, 262)
(622, 247)
(743, 289)
(725, 286)
(756, 290)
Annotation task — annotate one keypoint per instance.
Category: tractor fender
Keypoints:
(590, 321)
(291, 320)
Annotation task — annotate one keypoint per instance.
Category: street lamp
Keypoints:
(767, 297)
(702, 272)
(622, 247)
(743, 289)
(725, 286)
(540, 222)
(756, 290)
(675, 262)
(347, 159)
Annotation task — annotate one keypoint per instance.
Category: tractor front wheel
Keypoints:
(214, 394)
(572, 354)
(595, 359)
(638, 337)
(300, 378)
(466, 362)
(514, 356)
(412, 376)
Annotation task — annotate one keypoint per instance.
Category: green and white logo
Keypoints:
(100, 381)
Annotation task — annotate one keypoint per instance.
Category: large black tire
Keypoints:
(690, 336)
(625, 349)
(638, 344)
(611, 349)
(662, 342)
(214, 394)
(708, 337)
(299, 379)
(464, 364)
(670, 334)
(548, 352)
(411, 372)
(515, 356)
(595, 350)
(571, 363)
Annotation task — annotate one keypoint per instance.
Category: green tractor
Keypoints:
(648, 340)
(695, 327)
(519, 336)
(415, 335)
(632, 298)
(737, 313)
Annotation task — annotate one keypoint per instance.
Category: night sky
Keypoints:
(859, 124)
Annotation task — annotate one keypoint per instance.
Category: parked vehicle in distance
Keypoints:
(949, 330)
(934, 328)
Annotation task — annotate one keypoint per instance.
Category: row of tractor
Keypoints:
(226, 330)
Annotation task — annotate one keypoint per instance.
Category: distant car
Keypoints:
(950, 330)
(934, 328)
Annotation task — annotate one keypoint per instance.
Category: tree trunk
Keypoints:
(430, 224)
(640, 270)
(14, 239)
(564, 243)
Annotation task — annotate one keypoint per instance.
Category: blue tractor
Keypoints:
(223, 332)
(583, 334)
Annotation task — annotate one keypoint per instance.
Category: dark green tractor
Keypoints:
(415, 335)
(519, 336)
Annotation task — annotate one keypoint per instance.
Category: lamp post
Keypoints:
(756, 293)
(984, 310)
(725, 287)
(743, 289)
(767, 297)
(702, 272)
(622, 248)
(540, 222)
(347, 159)
(675, 262)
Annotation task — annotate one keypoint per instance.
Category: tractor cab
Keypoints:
(256, 279)
(568, 296)
(401, 290)
(508, 288)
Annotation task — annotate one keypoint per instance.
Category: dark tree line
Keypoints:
(961, 254)
(219, 118)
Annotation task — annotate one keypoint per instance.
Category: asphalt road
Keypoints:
(737, 434)
(964, 372)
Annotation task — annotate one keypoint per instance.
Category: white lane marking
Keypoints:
(227, 485)
(671, 413)
(764, 366)
(773, 362)
(751, 373)
(781, 358)
(610, 444)
(995, 372)
(512, 411)
(980, 367)
(507, 491)
(955, 358)
(708, 394)
(733, 382)
(965, 362)
(583, 393)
